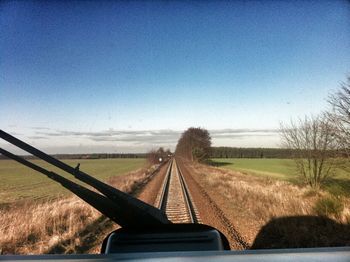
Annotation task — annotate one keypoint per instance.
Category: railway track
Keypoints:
(175, 199)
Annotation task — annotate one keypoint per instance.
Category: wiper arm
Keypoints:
(100, 202)
(127, 210)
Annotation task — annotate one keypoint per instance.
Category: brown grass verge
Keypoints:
(251, 202)
(66, 225)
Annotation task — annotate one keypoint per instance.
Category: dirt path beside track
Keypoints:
(211, 213)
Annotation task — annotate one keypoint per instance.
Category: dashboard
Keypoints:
(337, 254)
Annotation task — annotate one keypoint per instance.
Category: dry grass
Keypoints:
(34, 228)
(262, 198)
(252, 201)
(58, 226)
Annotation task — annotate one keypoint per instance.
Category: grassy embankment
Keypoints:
(270, 210)
(21, 183)
(39, 216)
(283, 169)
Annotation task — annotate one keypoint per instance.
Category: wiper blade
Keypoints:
(100, 202)
(129, 211)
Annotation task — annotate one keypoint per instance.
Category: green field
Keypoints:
(19, 182)
(282, 169)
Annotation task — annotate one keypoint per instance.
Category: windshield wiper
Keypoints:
(120, 207)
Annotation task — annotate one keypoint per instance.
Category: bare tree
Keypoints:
(312, 142)
(340, 116)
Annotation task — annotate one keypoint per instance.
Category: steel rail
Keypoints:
(164, 195)
(165, 188)
(189, 203)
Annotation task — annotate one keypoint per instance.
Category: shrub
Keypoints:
(311, 193)
(329, 206)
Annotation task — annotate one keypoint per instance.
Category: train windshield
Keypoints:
(231, 114)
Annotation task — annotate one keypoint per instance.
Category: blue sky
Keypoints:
(135, 74)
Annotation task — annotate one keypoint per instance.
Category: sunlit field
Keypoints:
(21, 183)
(282, 169)
(63, 225)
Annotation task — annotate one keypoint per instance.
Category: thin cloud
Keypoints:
(37, 137)
(40, 128)
(243, 133)
(240, 131)
(153, 137)
(239, 136)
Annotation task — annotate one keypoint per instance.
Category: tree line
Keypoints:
(89, 156)
(241, 152)
(159, 155)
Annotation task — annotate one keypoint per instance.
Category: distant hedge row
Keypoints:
(88, 156)
(239, 152)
